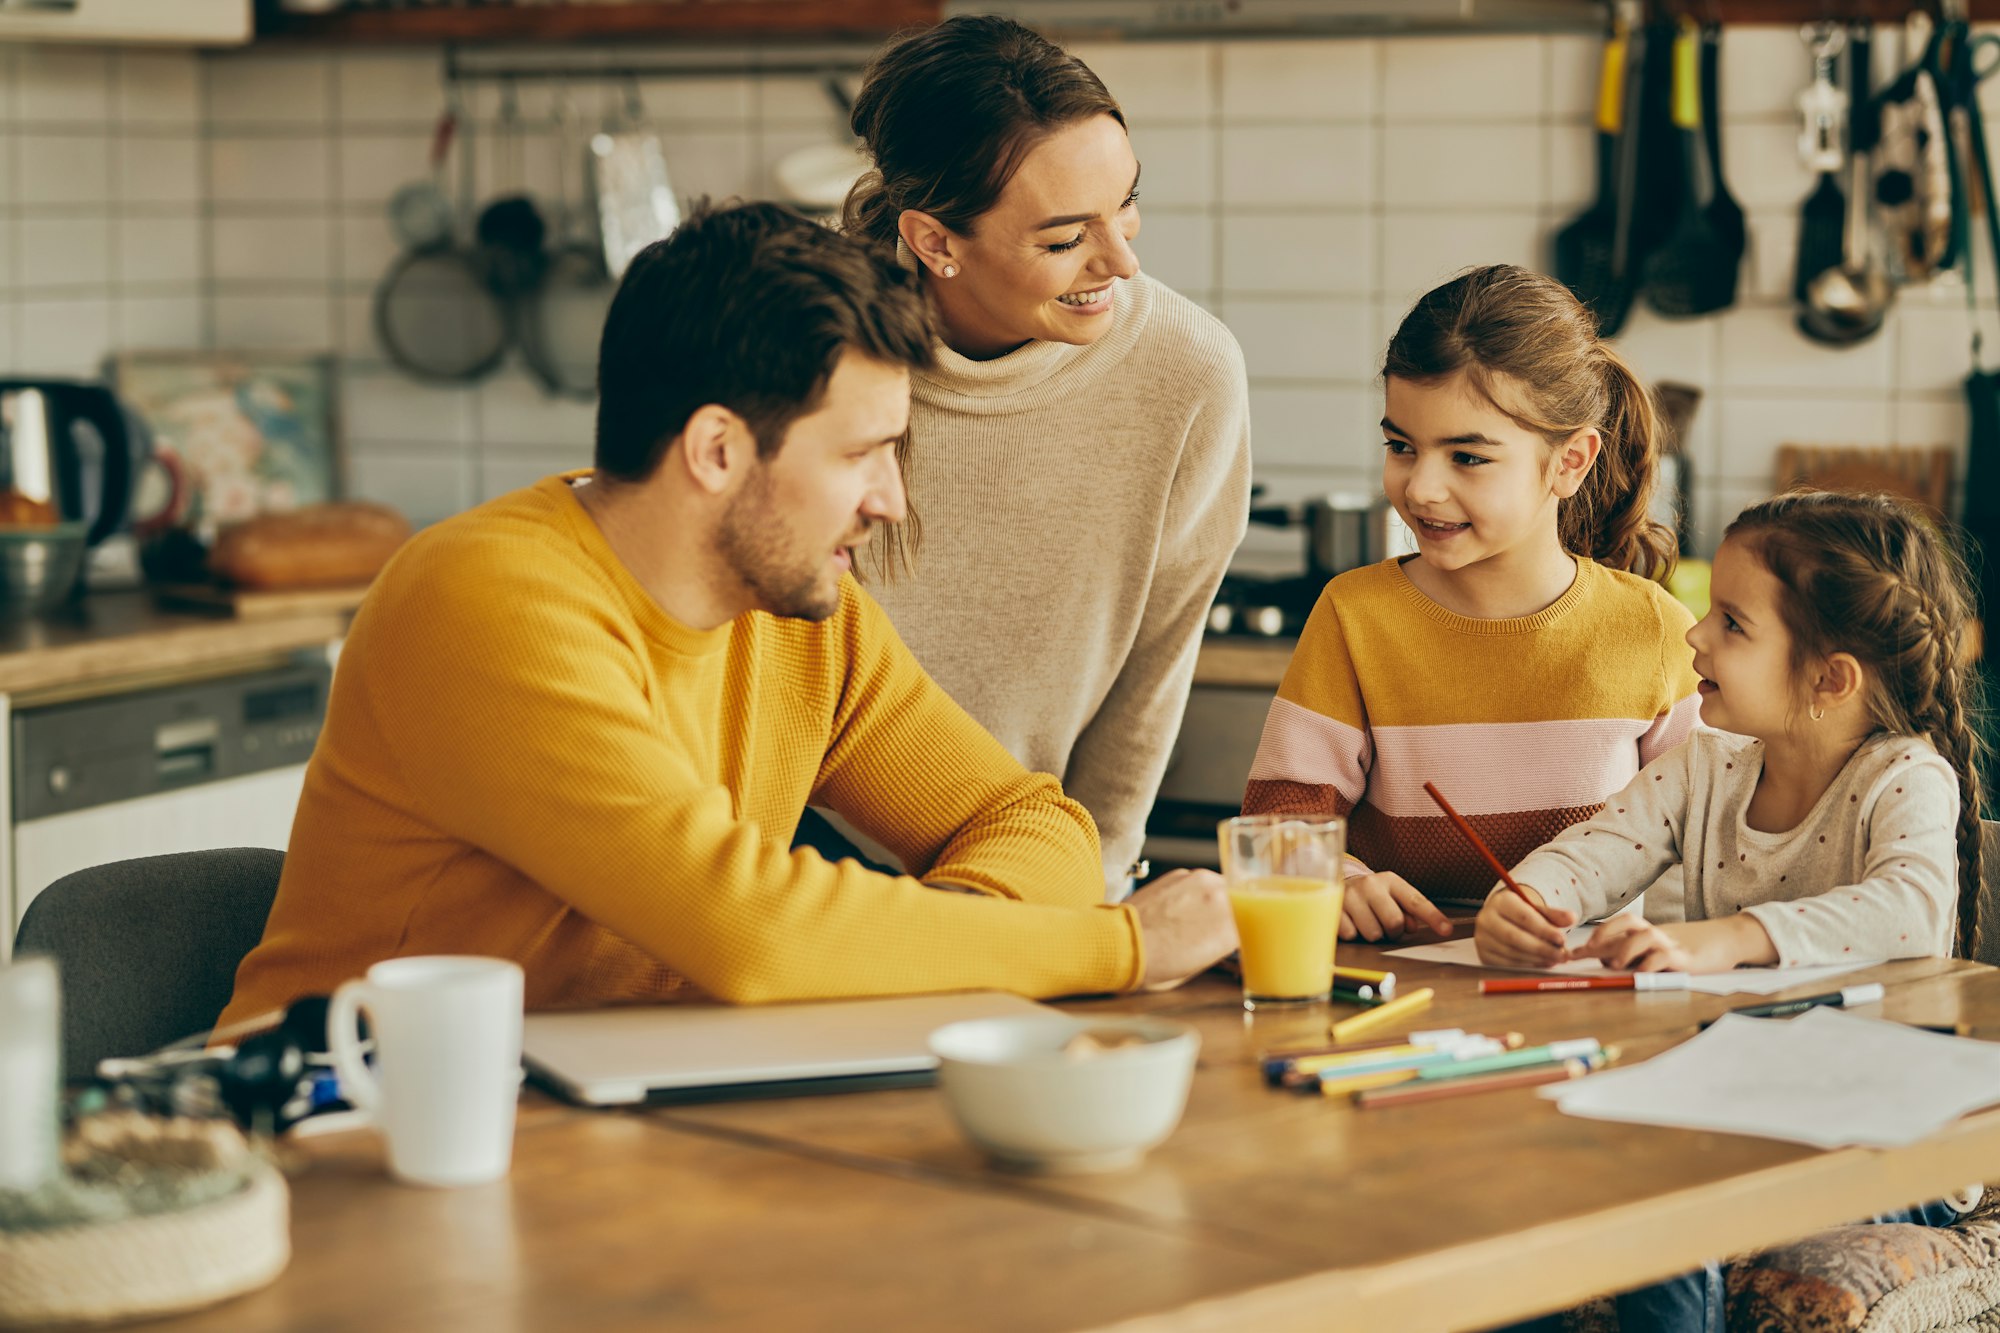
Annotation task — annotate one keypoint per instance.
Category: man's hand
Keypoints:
(1381, 903)
(1184, 919)
(1511, 932)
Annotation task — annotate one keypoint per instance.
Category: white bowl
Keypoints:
(1018, 1095)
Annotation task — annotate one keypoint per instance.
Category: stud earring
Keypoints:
(948, 271)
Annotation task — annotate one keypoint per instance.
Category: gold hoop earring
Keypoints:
(948, 271)
(1816, 714)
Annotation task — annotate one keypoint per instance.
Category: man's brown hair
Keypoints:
(749, 308)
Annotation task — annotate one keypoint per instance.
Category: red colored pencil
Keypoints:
(1629, 981)
(1479, 845)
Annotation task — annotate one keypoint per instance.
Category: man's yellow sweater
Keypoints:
(525, 757)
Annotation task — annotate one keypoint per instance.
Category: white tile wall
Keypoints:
(1306, 192)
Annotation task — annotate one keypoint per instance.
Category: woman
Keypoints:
(1079, 462)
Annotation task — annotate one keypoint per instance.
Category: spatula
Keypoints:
(1583, 247)
(1694, 271)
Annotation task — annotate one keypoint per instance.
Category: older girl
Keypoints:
(1523, 658)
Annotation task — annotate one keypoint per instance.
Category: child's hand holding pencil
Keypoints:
(1516, 929)
(1520, 930)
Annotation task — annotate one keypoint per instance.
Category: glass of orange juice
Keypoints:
(1285, 882)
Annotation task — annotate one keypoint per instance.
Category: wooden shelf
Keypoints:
(705, 20)
(737, 20)
(1807, 11)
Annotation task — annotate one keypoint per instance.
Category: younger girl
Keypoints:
(1523, 659)
(1833, 813)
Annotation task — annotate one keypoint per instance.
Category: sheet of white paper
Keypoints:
(1798, 1080)
(1737, 981)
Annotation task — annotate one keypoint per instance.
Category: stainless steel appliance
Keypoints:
(1339, 531)
(214, 763)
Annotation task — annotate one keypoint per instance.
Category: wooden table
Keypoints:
(1266, 1210)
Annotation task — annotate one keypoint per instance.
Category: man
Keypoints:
(576, 726)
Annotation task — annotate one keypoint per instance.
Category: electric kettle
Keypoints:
(66, 443)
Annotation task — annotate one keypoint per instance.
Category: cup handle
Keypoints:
(343, 1043)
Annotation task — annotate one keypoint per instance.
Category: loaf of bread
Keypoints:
(319, 546)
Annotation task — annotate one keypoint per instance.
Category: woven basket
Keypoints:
(144, 1266)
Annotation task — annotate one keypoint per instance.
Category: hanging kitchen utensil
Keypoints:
(420, 214)
(635, 200)
(562, 321)
(1657, 192)
(1614, 303)
(1725, 215)
(1930, 229)
(1822, 137)
(511, 228)
(1938, 209)
(1583, 247)
(436, 315)
(1694, 271)
(1846, 304)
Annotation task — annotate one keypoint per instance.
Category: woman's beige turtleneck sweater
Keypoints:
(1078, 506)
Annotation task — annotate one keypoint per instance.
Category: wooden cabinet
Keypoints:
(718, 20)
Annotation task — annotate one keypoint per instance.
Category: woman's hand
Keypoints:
(1514, 932)
(1629, 943)
(1380, 904)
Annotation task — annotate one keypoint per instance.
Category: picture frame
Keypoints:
(234, 434)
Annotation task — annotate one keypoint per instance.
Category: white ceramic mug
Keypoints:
(447, 1063)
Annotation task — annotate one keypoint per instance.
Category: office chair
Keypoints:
(147, 948)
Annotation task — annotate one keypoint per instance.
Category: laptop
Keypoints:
(709, 1052)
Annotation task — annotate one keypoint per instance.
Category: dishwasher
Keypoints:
(211, 763)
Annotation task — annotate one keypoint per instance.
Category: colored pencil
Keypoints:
(1576, 1067)
(1629, 981)
(1307, 1072)
(1434, 1035)
(1479, 845)
(1335, 1081)
(1399, 1008)
(1439, 1059)
(1553, 1053)
(1350, 1084)
(1361, 994)
(1315, 1064)
(1383, 982)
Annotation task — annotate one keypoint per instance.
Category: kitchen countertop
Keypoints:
(106, 636)
(1253, 664)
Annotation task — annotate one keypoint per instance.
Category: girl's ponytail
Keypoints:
(1609, 517)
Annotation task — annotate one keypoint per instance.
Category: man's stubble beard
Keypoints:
(753, 544)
